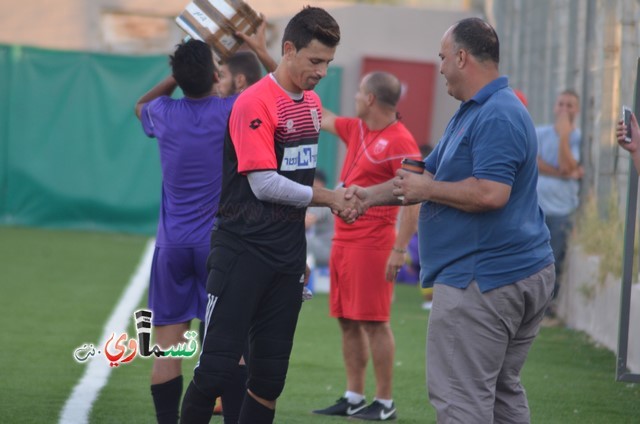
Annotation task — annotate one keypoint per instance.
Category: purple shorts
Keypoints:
(177, 288)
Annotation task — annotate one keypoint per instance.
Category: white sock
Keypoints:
(388, 403)
(353, 397)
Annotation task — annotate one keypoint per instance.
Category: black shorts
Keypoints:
(247, 298)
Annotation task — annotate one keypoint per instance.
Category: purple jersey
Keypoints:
(190, 134)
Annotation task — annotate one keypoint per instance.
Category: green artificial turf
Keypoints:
(59, 287)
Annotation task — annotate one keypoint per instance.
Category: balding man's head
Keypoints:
(385, 87)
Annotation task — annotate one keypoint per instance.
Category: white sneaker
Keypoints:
(427, 305)
(306, 294)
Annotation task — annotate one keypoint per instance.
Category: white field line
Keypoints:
(78, 406)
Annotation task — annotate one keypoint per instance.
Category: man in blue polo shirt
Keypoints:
(484, 246)
(560, 174)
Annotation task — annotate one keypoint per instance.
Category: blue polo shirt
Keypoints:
(557, 196)
(491, 137)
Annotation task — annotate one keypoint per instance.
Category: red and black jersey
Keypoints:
(268, 130)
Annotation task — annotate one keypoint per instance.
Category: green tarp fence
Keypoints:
(73, 154)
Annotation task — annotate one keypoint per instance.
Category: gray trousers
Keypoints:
(477, 344)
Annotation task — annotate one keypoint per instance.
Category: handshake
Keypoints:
(407, 188)
(347, 204)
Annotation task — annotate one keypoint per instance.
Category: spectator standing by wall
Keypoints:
(559, 175)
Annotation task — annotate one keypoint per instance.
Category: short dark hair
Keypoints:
(479, 38)
(245, 63)
(570, 92)
(192, 67)
(385, 86)
(311, 23)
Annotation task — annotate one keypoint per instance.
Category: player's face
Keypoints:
(226, 85)
(309, 65)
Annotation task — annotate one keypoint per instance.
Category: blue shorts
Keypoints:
(177, 288)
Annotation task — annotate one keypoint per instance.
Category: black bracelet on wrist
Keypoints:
(396, 249)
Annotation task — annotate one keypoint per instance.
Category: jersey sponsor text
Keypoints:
(300, 157)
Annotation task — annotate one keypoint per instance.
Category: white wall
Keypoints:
(587, 304)
(391, 32)
(38, 23)
(381, 31)
(394, 33)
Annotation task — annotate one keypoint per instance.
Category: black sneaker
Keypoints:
(376, 412)
(342, 407)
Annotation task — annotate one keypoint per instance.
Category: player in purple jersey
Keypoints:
(190, 134)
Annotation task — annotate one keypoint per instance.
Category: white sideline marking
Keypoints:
(78, 406)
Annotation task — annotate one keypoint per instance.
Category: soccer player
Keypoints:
(190, 134)
(237, 73)
(257, 260)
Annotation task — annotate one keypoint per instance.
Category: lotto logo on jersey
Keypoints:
(255, 124)
(300, 157)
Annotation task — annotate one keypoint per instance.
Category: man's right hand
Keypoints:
(258, 43)
(563, 125)
(348, 205)
(621, 130)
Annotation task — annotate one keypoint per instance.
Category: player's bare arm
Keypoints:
(258, 43)
(377, 195)
(347, 208)
(164, 88)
